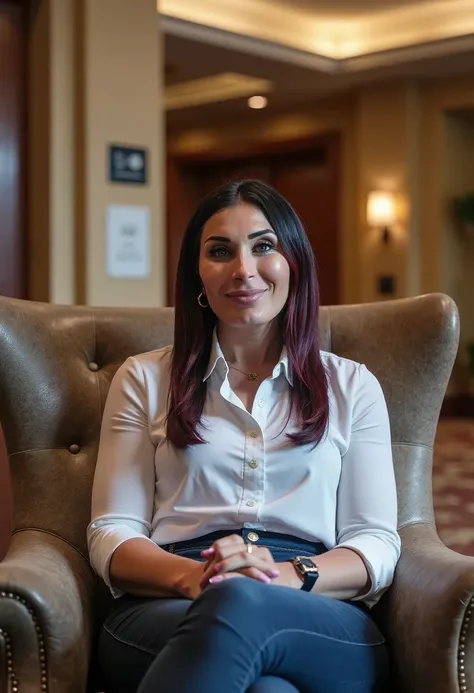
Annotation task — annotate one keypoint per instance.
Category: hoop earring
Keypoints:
(199, 300)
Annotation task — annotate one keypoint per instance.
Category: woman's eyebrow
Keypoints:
(224, 239)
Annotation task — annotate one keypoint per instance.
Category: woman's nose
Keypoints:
(244, 266)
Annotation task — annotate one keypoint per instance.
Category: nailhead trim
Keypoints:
(15, 686)
(462, 647)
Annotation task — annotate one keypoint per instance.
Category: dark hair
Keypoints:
(194, 325)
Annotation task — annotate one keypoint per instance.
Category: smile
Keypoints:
(246, 298)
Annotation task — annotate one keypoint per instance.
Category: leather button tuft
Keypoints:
(74, 448)
(93, 366)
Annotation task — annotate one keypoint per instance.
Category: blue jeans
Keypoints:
(243, 636)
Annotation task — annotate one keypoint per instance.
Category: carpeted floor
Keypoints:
(453, 484)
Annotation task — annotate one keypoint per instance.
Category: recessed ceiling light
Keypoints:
(257, 102)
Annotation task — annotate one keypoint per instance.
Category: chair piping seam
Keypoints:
(56, 536)
(402, 444)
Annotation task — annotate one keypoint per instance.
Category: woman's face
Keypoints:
(243, 272)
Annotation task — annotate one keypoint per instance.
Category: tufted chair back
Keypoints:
(56, 364)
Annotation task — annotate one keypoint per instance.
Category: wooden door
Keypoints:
(12, 249)
(310, 182)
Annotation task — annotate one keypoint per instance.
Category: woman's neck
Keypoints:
(252, 347)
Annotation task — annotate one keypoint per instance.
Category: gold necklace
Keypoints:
(250, 375)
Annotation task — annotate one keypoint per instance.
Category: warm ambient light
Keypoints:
(257, 102)
(381, 212)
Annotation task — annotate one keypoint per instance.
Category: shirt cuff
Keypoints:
(380, 559)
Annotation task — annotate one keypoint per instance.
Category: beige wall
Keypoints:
(386, 125)
(85, 57)
(122, 99)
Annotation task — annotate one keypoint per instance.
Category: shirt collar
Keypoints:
(217, 357)
(283, 366)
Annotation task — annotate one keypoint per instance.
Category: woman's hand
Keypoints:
(229, 558)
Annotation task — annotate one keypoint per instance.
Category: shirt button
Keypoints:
(253, 464)
(252, 536)
(250, 503)
(261, 402)
(254, 434)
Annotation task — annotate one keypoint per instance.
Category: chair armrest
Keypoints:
(428, 615)
(46, 615)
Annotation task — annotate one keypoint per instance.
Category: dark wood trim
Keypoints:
(39, 149)
(13, 115)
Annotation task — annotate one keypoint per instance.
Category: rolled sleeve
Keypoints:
(124, 481)
(367, 497)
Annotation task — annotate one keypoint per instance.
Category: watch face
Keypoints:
(305, 565)
(306, 562)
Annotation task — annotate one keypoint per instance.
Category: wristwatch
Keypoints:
(307, 571)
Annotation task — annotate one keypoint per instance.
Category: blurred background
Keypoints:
(117, 116)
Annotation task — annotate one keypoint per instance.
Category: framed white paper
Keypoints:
(128, 241)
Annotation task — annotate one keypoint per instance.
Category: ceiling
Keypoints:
(295, 75)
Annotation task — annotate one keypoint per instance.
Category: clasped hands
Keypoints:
(230, 558)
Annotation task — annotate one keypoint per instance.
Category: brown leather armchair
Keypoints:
(56, 364)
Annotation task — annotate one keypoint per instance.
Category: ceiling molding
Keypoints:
(409, 54)
(287, 34)
(248, 44)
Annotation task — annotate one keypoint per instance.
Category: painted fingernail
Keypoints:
(208, 552)
(264, 578)
(218, 567)
(216, 578)
(275, 573)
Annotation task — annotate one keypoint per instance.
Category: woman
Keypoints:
(244, 505)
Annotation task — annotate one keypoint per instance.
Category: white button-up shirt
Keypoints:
(247, 474)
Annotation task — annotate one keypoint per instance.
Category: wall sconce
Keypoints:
(381, 212)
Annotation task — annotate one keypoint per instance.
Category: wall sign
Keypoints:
(127, 165)
(128, 242)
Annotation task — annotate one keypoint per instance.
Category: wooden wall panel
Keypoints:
(12, 213)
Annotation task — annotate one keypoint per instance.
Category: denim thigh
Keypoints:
(240, 630)
(136, 630)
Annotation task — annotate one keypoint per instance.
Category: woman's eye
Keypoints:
(264, 247)
(218, 251)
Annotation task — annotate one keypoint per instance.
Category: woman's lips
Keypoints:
(246, 298)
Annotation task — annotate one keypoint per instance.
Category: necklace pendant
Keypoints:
(252, 376)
